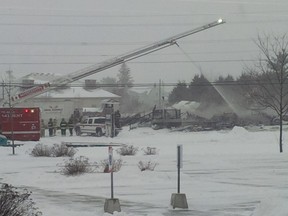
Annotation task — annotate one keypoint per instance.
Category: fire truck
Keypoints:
(20, 123)
(15, 100)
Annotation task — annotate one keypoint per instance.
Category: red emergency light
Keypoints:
(29, 110)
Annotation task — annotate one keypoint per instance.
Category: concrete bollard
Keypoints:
(178, 200)
(112, 205)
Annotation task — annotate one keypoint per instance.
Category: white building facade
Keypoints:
(61, 102)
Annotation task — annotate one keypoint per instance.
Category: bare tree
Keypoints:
(270, 77)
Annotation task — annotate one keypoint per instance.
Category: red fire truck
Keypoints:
(20, 123)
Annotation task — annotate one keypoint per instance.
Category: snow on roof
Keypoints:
(110, 101)
(77, 92)
(69, 92)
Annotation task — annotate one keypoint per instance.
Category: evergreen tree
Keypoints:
(201, 90)
(124, 76)
(128, 103)
(198, 87)
(222, 79)
(179, 93)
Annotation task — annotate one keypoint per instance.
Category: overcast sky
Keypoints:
(63, 36)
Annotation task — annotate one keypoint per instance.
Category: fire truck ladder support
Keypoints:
(39, 89)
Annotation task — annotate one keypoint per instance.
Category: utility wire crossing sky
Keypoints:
(65, 36)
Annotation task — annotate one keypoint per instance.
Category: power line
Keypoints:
(132, 62)
(267, 12)
(85, 25)
(60, 55)
(117, 85)
(102, 43)
(70, 43)
(109, 55)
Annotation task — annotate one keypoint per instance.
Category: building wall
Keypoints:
(60, 107)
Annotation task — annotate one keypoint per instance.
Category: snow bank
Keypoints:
(239, 130)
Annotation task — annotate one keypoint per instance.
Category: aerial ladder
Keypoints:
(64, 80)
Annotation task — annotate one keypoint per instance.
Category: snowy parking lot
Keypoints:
(228, 173)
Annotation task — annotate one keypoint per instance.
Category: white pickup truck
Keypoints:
(92, 125)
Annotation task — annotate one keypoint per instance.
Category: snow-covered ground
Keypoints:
(235, 173)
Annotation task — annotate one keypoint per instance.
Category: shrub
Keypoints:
(116, 165)
(41, 150)
(147, 165)
(77, 166)
(57, 150)
(127, 150)
(62, 150)
(14, 203)
(150, 151)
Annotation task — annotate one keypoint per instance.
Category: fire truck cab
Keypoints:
(20, 123)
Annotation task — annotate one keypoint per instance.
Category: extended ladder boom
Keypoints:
(39, 89)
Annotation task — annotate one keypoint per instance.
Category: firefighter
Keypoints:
(54, 126)
(63, 127)
(50, 127)
(77, 128)
(42, 128)
(71, 125)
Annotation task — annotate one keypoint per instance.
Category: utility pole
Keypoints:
(9, 72)
(3, 88)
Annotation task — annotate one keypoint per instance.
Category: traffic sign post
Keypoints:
(112, 204)
(110, 150)
(179, 164)
(178, 200)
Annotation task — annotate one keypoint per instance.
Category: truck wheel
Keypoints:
(99, 132)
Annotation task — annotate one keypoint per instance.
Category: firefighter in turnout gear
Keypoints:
(42, 128)
(71, 125)
(63, 127)
(54, 126)
(50, 127)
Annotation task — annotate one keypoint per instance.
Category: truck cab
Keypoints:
(166, 118)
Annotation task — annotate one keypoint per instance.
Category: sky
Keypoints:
(64, 36)
(232, 172)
